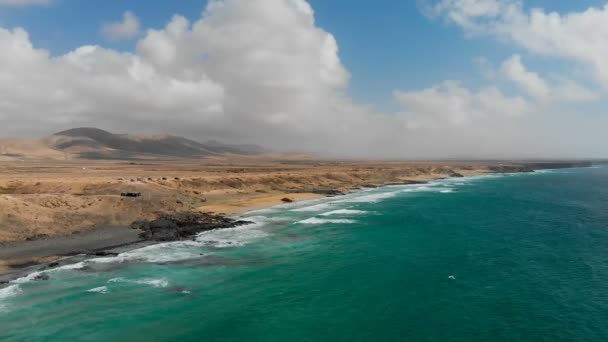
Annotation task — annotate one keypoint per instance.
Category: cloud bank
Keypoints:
(262, 71)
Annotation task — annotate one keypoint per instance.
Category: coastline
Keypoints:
(20, 258)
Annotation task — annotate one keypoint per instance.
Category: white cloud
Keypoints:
(451, 102)
(530, 82)
(24, 2)
(578, 36)
(258, 71)
(94, 85)
(125, 29)
(534, 85)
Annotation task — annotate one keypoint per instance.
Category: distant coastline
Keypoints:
(20, 258)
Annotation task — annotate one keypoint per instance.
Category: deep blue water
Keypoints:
(499, 258)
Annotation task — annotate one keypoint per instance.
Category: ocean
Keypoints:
(520, 257)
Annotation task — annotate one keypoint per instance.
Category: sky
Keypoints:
(422, 79)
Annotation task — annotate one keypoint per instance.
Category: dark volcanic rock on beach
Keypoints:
(511, 168)
(179, 226)
(542, 165)
(42, 277)
(455, 174)
(328, 192)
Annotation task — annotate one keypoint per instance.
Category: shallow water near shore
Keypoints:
(502, 258)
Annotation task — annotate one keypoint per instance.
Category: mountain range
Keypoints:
(95, 143)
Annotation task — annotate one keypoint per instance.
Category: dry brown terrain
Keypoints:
(39, 199)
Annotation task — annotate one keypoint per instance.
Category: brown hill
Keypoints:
(12, 149)
(94, 143)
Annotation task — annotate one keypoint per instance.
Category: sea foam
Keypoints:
(8, 292)
(372, 198)
(316, 207)
(316, 220)
(101, 289)
(186, 250)
(344, 212)
(32, 276)
(160, 282)
(232, 237)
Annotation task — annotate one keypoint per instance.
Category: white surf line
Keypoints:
(316, 220)
(344, 212)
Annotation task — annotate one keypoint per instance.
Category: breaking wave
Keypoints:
(161, 282)
(316, 220)
(101, 289)
(316, 207)
(344, 212)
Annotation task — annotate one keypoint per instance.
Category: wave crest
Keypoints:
(316, 220)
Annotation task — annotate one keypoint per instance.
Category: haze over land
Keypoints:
(267, 72)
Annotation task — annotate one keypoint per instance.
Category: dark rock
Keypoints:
(184, 225)
(328, 192)
(74, 253)
(42, 276)
(287, 200)
(511, 168)
(455, 174)
(104, 254)
(130, 194)
(53, 264)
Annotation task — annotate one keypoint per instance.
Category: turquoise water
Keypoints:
(499, 258)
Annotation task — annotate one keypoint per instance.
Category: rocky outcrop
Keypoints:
(455, 174)
(542, 165)
(184, 225)
(327, 192)
(559, 164)
(510, 168)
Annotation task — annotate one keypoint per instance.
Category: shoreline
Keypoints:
(104, 241)
(21, 258)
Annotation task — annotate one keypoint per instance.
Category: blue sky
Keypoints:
(385, 44)
(461, 71)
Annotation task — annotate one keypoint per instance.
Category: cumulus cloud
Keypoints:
(255, 71)
(534, 85)
(24, 2)
(529, 81)
(578, 36)
(456, 104)
(125, 29)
